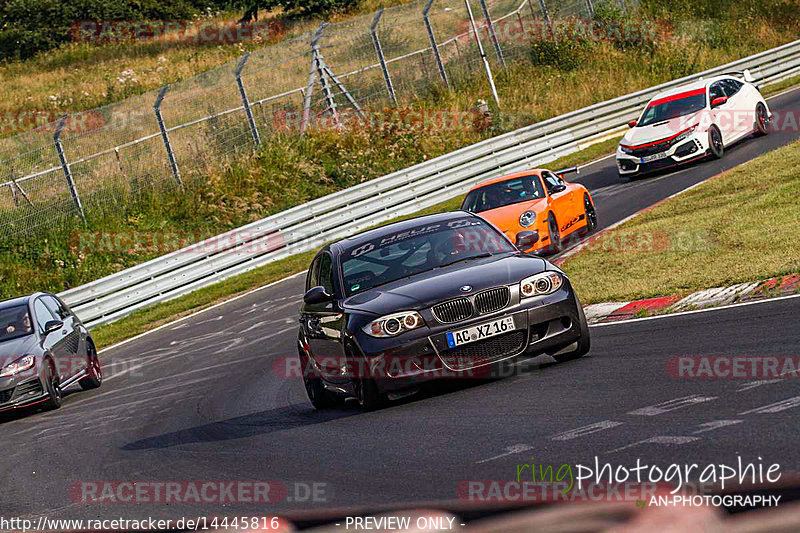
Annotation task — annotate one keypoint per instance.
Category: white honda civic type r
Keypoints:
(692, 121)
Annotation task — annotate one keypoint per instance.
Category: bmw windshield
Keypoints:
(670, 107)
(410, 252)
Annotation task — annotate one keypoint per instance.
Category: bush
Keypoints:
(31, 26)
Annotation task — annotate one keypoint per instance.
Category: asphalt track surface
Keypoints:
(206, 399)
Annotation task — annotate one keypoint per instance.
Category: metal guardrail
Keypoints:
(337, 215)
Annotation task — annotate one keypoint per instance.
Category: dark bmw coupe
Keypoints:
(44, 348)
(444, 295)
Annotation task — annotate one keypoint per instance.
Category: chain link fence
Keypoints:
(162, 138)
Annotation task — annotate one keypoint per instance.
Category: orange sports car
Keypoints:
(536, 209)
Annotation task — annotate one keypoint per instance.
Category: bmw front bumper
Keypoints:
(542, 324)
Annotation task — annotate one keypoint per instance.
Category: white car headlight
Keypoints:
(686, 133)
(395, 324)
(527, 218)
(544, 283)
(20, 365)
(625, 150)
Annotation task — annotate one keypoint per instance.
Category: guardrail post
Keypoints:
(432, 39)
(590, 7)
(245, 101)
(483, 54)
(379, 51)
(73, 191)
(173, 165)
(492, 34)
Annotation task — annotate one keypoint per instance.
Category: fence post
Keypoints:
(173, 165)
(483, 54)
(546, 15)
(312, 75)
(492, 34)
(379, 51)
(324, 81)
(432, 39)
(623, 6)
(73, 191)
(245, 101)
(591, 8)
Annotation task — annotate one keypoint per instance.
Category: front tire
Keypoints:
(715, 146)
(318, 395)
(591, 214)
(53, 387)
(367, 394)
(762, 120)
(584, 342)
(555, 236)
(94, 372)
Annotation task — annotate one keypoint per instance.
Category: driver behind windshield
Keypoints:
(15, 322)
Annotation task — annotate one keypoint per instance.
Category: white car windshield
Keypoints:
(673, 106)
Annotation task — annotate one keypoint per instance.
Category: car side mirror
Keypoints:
(559, 188)
(716, 102)
(526, 239)
(52, 325)
(317, 295)
(632, 124)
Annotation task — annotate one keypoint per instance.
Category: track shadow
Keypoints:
(245, 426)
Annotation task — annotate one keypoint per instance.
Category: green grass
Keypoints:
(156, 315)
(740, 226)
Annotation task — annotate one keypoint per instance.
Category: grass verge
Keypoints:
(159, 314)
(737, 227)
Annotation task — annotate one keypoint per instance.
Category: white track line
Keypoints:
(168, 324)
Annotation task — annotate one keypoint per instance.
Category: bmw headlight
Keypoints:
(544, 283)
(20, 365)
(527, 218)
(395, 324)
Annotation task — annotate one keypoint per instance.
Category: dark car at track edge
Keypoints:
(445, 295)
(44, 348)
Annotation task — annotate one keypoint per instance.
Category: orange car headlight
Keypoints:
(527, 218)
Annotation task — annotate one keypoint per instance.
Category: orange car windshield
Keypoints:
(503, 193)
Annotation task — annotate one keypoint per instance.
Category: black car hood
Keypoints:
(428, 288)
(13, 349)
